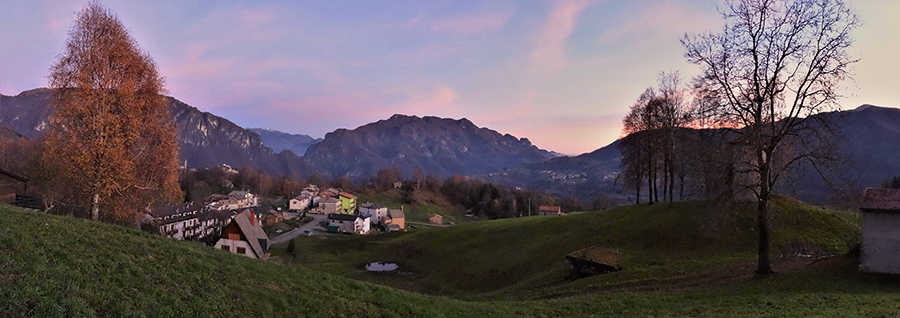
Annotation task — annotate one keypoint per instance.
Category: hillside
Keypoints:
(7, 133)
(438, 146)
(204, 139)
(524, 257)
(52, 266)
(281, 141)
(860, 133)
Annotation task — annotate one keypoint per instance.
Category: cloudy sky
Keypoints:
(561, 73)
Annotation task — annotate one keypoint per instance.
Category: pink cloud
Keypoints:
(548, 54)
(472, 24)
(440, 99)
(414, 21)
(662, 21)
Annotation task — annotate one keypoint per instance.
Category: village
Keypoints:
(235, 222)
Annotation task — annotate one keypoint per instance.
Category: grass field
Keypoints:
(524, 257)
(60, 266)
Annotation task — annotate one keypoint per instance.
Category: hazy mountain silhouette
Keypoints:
(204, 139)
(281, 141)
(438, 146)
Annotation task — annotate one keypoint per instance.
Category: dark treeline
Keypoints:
(472, 195)
(664, 156)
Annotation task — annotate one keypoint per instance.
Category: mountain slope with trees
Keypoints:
(204, 139)
(431, 145)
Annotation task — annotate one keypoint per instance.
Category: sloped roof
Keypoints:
(549, 208)
(397, 214)
(371, 205)
(254, 233)
(13, 175)
(342, 217)
(347, 195)
(167, 210)
(881, 200)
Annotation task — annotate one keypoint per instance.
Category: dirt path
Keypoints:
(317, 218)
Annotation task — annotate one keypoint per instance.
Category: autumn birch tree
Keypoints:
(775, 63)
(111, 136)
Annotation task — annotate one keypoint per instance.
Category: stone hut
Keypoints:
(880, 222)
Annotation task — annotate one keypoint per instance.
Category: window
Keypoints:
(241, 250)
(226, 248)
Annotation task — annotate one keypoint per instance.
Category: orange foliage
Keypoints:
(111, 135)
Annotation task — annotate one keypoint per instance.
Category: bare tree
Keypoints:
(650, 145)
(111, 135)
(775, 63)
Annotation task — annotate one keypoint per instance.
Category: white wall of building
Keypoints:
(233, 246)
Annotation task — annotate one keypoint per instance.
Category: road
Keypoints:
(317, 218)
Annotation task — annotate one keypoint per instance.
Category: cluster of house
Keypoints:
(343, 213)
(191, 221)
(235, 218)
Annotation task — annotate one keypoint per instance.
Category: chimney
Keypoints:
(252, 217)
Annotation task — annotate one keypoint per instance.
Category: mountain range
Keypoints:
(445, 147)
(438, 146)
(204, 139)
(867, 142)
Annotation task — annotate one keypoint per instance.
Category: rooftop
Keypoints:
(881, 200)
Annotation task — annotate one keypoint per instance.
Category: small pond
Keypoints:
(381, 267)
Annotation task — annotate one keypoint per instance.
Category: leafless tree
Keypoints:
(775, 63)
(649, 148)
(111, 136)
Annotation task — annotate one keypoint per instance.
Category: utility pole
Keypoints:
(529, 206)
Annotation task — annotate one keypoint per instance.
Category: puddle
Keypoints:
(381, 267)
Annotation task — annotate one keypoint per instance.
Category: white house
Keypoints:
(310, 191)
(185, 221)
(300, 203)
(245, 236)
(348, 223)
(377, 211)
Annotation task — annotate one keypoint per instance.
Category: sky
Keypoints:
(560, 73)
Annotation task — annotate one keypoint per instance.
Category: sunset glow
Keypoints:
(560, 73)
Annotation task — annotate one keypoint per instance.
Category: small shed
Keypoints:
(13, 189)
(436, 219)
(880, 222)
(593, 260)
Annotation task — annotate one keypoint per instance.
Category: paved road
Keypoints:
(317, 218)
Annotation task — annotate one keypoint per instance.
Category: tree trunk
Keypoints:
(763, 266)
(95, 207)
(665, 177)
(649, 180)
(637, 199)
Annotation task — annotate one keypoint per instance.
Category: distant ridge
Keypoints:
(439, 146)
(281, 141)
(204, 139)
(869, 142)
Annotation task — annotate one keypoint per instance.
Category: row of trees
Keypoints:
(774, 65)
(650, 148)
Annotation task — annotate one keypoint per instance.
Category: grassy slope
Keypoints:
(59, 266)
(524, 257)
